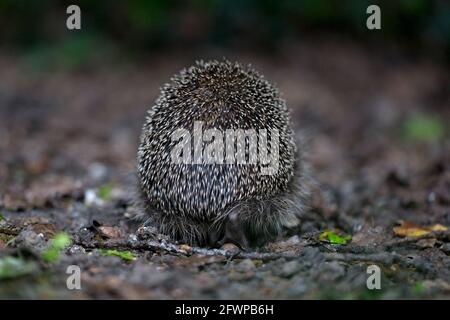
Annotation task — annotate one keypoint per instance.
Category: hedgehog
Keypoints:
(191, 188)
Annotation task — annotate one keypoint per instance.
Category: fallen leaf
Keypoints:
(40, 225)
(424, 127)
(110, 232)
(333, 238)
(410, 229)
(59, 243)
(438, 227)
(47, 229)
(124, 255)
(186, 248)
(105, 192)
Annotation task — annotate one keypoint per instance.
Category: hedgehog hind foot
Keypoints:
(234, 232)
(243, 227)
(253, 223)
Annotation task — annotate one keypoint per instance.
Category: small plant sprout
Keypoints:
(58, 243)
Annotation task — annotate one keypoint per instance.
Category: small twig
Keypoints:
(156, 246)
(343, 253)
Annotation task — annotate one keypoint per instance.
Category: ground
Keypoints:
(376, 123)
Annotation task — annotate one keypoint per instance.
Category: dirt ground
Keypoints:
(68, 142)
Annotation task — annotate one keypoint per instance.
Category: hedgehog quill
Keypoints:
(217, 160)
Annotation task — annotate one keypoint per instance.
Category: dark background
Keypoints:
(373, 105)
(150, 25)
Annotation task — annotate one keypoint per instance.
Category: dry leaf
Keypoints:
(110, 232)
(438, 227)
(409, 229)
(185, 247)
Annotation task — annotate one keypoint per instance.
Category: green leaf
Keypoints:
(2, 217)
(105, 191)
(419, 288)
(11, 267)
(59, 243)
(423, 128)
(333, 238)
(124, 255)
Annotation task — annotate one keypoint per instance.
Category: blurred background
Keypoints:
(72, 101)
(144, 26)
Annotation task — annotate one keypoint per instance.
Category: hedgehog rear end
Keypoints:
(217, 160)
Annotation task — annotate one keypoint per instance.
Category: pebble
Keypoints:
(289, 269)
(91, 198)
(132, 238)
(30, 239)
(245, 265)
(230, 247)
(76, 249)
(294, 240)
(446, 248)
(147, 233)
